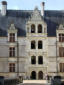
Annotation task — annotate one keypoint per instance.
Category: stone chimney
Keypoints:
(4, 8)
(42, 8)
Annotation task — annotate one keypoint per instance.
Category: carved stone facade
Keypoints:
(29, 46)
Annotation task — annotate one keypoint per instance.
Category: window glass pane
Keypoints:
(61, 37)
(12, 51)
(12, 67)
(12, 37)
(61, 67)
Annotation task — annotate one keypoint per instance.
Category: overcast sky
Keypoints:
(30, 4)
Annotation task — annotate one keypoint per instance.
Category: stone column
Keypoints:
(36, 75)
(36, 44)
(42, 29)
(30, 29)
(36, 28)
(36, 60)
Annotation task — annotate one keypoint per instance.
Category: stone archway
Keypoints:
(40, 75)
(32, 28)
(33, 75)
(39, 28)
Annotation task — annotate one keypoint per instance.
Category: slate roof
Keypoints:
(19, 17)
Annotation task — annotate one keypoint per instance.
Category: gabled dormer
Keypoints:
(36, 24)
(60, 33)
(12, 33)
(36, 16)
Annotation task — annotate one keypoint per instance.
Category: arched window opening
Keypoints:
(33, 60)
(39, 28)
(33, 45)
(33, 75)
(40, 75)
(40, 60)
(32, 28)
(39, 44)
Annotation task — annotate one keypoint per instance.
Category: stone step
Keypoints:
(31, 84)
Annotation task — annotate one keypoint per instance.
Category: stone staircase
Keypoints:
(30, 84)
(35, 82)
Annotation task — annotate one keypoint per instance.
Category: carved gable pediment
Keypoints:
(36, 15)
(12, 27)
(61, 27)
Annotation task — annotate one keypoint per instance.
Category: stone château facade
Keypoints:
(31, 43)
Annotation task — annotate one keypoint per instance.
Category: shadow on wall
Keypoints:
(56, 80)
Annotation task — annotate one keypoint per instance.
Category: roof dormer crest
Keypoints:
(61, 27)
(12, 27)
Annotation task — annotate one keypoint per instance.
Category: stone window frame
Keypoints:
(40, 28)
(40, 62)
(33, 28)
(40, 46)
(33, 61)
(11, 37)
(11, 51)
(33, 44)
(61, 37)
(61, 51)
(11, 67)
(61, 67)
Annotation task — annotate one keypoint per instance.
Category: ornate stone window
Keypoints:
(33, 45)
(33, 60)
(40, 75)
(61, 66)
(12, 51)
(12, 37)
(61, 37)
(12, 34)
(61, 51)
(39, 28)
(39, 44)
(12, 67)
(40, 59)
(33, 75)
(32, 28)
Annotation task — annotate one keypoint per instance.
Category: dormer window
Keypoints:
(12, 34)
(12, 37)
(61, 37)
